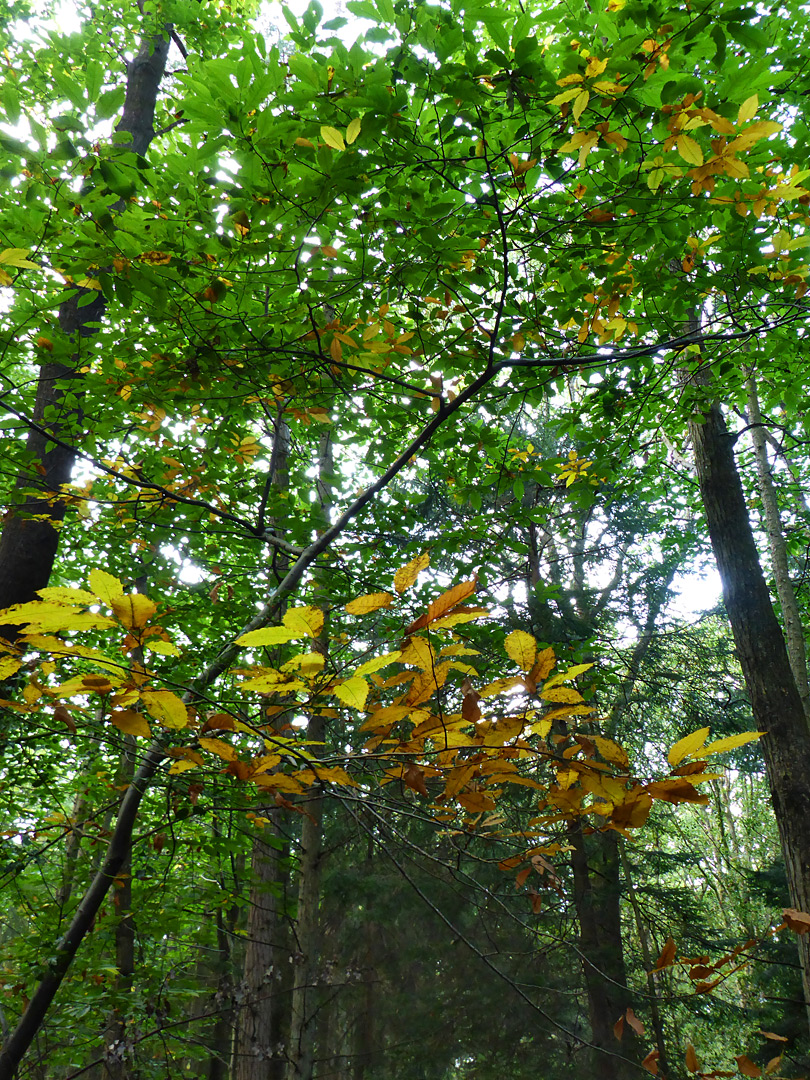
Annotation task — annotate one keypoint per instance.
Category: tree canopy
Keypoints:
(368, 387)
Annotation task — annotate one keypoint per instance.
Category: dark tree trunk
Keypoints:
(595, 861)
(259, 1050)
(30, 535)
(761, 650)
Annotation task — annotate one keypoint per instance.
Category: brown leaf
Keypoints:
(635, 1023)
(61, 714)
(692, 1063)
(520, 879)
(772, 1035)
(747, 1067)
(650, 1062)
(413, 776)
(618, 1028)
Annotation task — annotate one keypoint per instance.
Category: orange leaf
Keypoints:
(798, 921)
(677, 790)
(667, 957)
(444, 603)
(618, 1028)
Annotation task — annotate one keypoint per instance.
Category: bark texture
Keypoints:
(763, 657)
(595, 863)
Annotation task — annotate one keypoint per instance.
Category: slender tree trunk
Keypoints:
(117, 1045)
(305, 995)
(597, 894)
(260, 1051)
(763, 657)
(794, 631)
(649, 962)
(30, 535)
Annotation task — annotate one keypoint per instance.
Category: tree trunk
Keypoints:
(258, 1050)
(304, 1008)
(597, 894)
(305, 998)
(30, 535)
(775, 701)
(794, 631)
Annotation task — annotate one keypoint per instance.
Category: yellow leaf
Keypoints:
(105, 586)
(689, 150)
(353, 130)
(162, 648)
(687, 746)
(522, 648)
(334, 774)
(218, 747)
(580, 104)
(272, 683)
(407, 575)
(611, 751)
(566, 95)
(59, 594)
(332, 137)
(304, 621)
(500, 686)
(131, 723)
(731, 742)
(370, 602)
(269, 635)
(17, 257)
(418, 653)
(307, 663)
(566, 694)
(460, 616)
(9, 665)
(353, 692)
(378, 662)
(133, 611)
(5, 279)
(181, 766)
(166, 707)
(566, 676)
(39, 615)
(748, 109)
